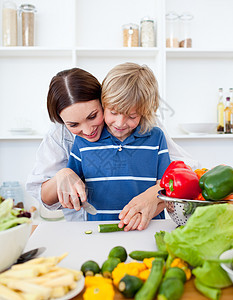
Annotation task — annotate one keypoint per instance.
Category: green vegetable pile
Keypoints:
(207, 234)
(10, 217)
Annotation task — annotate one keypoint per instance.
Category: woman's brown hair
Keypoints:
(69, 87)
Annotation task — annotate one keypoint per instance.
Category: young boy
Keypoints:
(131, 154)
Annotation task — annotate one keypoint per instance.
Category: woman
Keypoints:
(51, 182)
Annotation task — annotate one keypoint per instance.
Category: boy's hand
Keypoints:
(69, 188)
(133, 223)
(147, 204)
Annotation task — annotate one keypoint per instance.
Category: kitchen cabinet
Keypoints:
(88, 34)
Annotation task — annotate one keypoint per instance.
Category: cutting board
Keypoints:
(70, 237)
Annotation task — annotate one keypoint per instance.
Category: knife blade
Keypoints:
(88, 207)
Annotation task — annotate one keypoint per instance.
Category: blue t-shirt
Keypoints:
(114, 172)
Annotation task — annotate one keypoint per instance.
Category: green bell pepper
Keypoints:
(217, 183)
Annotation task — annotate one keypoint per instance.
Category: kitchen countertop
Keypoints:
(70, 237)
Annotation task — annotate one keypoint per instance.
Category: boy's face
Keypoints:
(119, 125)
(85, 119)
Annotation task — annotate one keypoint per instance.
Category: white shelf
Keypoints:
(103, 52)
(203, 136)
(34, 51)
(198, 53)
(20, 137)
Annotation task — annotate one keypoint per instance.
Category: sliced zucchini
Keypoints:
(109, 228)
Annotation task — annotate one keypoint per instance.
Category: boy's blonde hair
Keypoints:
(131, 85)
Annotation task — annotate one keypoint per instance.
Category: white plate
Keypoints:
(74, 292)
(199, 128)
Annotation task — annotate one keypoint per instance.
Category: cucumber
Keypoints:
(175, 272)
(109, 228)
(118, 252)
(90, 268)
(171, 289)
(150, 287)
(109, 265)
(129, 285)
(140, 255)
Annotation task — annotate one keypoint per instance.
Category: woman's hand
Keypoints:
(147, 204)
(70, 188)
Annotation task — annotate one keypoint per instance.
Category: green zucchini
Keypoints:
(129, 285)
(109, 265)
(151, 285)
(171, 289)
(140, 255)
(90, 268)
(118, 252)
(175, 272)
(109, 228)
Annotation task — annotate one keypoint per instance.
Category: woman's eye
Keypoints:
(92, 117)
(74, 125)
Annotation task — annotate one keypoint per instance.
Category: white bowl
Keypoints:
(226, 266)
(13, 242)
(199, 128)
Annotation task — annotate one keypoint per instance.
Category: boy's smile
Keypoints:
(120, 125)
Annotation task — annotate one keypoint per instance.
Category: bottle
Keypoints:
(130, 35)
(12, 189)
(227, 117)
(9, 24)
(185, 30)
(231, 99)
(27, 14)
(220, 112)
(172, 19)
(147, 32)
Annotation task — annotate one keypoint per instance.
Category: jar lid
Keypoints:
(27, 8)
(147, 19)
(130, 26)
(186, 16)
(171, 16)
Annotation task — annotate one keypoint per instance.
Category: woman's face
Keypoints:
(84, 119)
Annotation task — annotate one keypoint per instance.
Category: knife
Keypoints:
(88, 207)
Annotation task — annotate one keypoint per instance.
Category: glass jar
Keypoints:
(130, 35)
(12, 189)
(172, 26)
(27, 14)
(147, 33)
(9, 24)
(186, 30)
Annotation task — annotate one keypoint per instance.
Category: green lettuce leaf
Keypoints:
(212, 274)
(208, 233)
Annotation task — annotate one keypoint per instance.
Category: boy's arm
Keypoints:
(146, 203)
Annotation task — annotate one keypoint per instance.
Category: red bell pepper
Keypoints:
(173, 165)
(180, 182)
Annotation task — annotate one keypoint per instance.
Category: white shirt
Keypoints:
(53, 154)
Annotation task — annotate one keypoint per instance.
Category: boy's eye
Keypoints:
(134, 117)
(113, 112)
